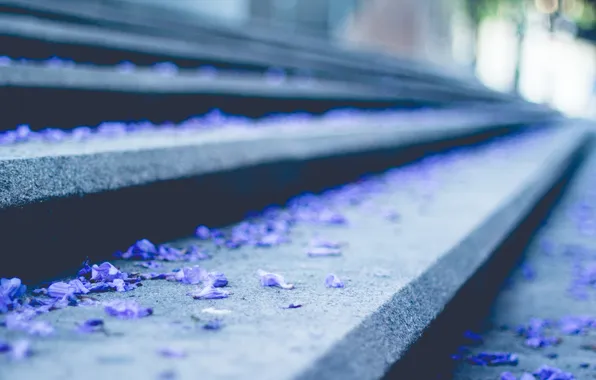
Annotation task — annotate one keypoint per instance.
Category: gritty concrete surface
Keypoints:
(38, 171)
(148, 81)
(547, 295)
(367, 325)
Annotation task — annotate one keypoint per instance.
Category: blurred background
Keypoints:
(545, 50)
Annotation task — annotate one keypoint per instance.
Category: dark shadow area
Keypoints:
(41, 49)
(51, 238)
(64, 108)
(471, 305)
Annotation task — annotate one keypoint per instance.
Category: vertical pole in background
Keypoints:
(521, 18)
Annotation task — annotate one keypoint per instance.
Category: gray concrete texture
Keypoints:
(547, 296)
(36, 171)
(350, 333)
(148, 81)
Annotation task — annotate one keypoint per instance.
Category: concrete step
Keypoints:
(551, 289)
(410, 240)
(163, 171)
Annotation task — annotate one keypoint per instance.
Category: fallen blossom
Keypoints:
(273, 279)
(106, 272)
(172, 352)
(21, 349)
(332, 281)
(5, 347)
(325, 244)
(216, 279)
(202, 232)
(214, 311)
(215, 324)
(126, 309)
(323, 252)
(507, 376)
(552, 373)
(91, 326)
(60, 290)
(149, 264)
(10, 291)
(191, 275)
(210, 293)
(141, 250)
(493, 359)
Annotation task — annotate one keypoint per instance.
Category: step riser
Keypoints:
(473, 301)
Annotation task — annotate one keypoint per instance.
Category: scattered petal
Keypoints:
(323, 252)
(202, 232)
(215, 324)
(172, 352)
(217, 279)
(293, 306)
(210, 293)
(141, 250)
(125, 309)
(552, 373)
(105, 272)
(273, 279)
(507, 376)
(191, 275)
(91, 326)
(149, 264)
(332, 281)
(40, 328)
(493, 359)
(10, 291)
(21, 349)
(214, 311)
(60, 290)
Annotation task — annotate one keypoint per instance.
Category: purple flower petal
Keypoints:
(172, 352)
(273, 279)
(21, 349)
(191, 275)
(105, 272)
(215, 324)
(141, 250)
(325, 244)
(217, 279)
(10, 291)
(210, 293)
(40, 328)
(85, 270)
(332, 281)
(493, 359)
(125, 309)
(78, 286)
(552, 373)
(149, 264)
(119, 285)
(270, 240)
(293, 306)
(323, 252)
(4, 347)
(195, 253)
(91, 326)
(60, 290)
(202, 232)
(507, 376)
(169, 253)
